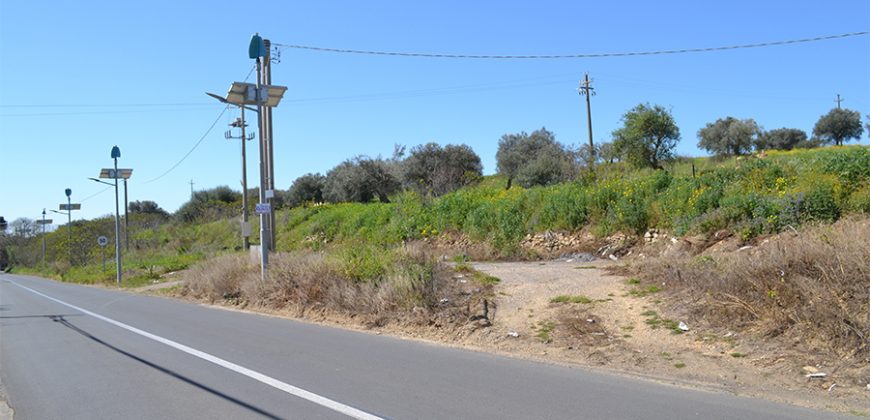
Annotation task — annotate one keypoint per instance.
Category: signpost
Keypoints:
(102, 241)
(262, 208)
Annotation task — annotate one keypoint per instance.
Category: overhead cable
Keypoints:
(563, 56)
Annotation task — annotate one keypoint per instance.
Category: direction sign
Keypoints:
(44, 222)
(73, 206)
(263, 208)
(102, 241)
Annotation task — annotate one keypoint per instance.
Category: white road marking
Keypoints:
(268, 380)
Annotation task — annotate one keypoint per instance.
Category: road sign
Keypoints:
(73, 206)
(44, 222)
(102, 241)
(263, 208)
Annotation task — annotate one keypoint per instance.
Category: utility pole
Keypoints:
(240, 123)
(839, 100)
(126, 219)
(191, 189)
(43, 236)
(587, 90)
(267, 80)
(68, 193)
(261, 52)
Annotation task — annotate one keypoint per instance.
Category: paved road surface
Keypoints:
(74, 352)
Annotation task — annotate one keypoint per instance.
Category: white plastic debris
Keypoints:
(745, 247)
(818, 375)
(682, 326)
(614, 257)
(443, 300)
(513, 334)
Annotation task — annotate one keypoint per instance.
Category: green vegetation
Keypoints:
(738, 355)
(645, 291)
(571, 299)
(749, 196)
(544, 328)
(655, 322)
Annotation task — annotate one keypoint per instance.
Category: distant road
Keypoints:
(74, 352)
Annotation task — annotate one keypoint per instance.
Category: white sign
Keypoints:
(102, 241)
(263, 208)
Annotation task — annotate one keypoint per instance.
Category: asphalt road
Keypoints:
(74, 352)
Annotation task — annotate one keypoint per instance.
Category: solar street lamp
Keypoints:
(116, 174)
(242, 94)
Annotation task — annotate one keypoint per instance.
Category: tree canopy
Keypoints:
(306, 188)
(360, 179)
(533, 159)
(146, 207)
(729, 136)
(433, 170)
(781, 139)
(839, 126)
(648, 136)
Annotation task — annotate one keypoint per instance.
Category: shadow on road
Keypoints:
(61, 319)
(52, 317)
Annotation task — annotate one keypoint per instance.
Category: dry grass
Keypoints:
(812, 285)
(414, 288)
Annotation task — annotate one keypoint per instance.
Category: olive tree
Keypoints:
(839, 126)
(648, 136)
(306, 188)
(360, 179)
(529, 156)
(434, 170)
(729, 136)
(781, 139)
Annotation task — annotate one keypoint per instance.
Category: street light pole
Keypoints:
(116, 153)
(68, 192)
(265, 234)
(43, 236)
(126, 218)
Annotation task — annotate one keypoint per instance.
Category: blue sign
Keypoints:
(263, 208)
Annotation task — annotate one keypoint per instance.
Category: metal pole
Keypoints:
(264, 228)
(245, 243)
(267, 77)
(69, 226)
(126, 223)
(117, 229)
(43, 236)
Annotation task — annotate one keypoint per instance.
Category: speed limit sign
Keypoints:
(102, 241)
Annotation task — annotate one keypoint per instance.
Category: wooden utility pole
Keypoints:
(839, 100)
(191, 189)
(587, 90)
(240, 123)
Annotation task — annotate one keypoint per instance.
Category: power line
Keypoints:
(98, 105)
(450, 90)
(192, 148)
(562, 56)
(198, 142)
(94, 194)
(129, 111)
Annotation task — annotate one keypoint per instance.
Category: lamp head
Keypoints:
(257, 48)
(116, 152)
(68, 192)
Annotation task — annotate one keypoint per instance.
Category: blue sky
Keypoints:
(77, 78)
